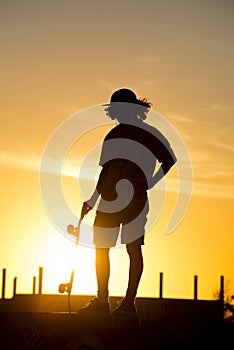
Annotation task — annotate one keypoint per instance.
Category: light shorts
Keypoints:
(129, 222)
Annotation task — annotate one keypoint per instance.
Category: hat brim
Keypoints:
(132, 102)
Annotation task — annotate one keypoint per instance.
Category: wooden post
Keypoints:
(34, 285)
(161, 285)
(40, 280)
(195, 287)
(3, 283)
(221, 294)
(14, 286)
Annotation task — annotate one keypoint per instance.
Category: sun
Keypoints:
(61, 256)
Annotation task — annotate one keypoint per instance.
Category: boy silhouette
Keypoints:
(128, 159)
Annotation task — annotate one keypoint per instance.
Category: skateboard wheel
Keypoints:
(70, 229)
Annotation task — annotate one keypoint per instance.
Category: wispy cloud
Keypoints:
(29, 162)
(205, 189)
(181, 118)
(33, 162)
(221, 145)
(214, 107)
(205, 185)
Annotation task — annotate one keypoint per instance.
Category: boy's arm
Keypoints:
(90, 203)
(163, 170)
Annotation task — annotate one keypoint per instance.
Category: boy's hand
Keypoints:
(85, 209)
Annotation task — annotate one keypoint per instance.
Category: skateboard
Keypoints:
(67, 287)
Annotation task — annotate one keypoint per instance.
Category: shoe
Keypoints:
(96, 305)
(125, 306)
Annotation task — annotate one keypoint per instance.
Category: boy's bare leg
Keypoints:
(102, 271)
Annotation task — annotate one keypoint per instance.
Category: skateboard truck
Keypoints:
(65, 287)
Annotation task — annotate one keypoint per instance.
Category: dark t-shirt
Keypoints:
(130, 151)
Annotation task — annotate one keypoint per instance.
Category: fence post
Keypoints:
(221, 294)
(161, 285)
(34, 285)
(3, 283)
(40, 280)
(195, 287)
(14, 286)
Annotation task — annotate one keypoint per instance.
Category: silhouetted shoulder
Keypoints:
(146, 135)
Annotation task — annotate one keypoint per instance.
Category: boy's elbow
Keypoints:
(168, 164)
(171, 161)
(174, 160)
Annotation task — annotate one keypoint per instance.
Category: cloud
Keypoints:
(204, 185)
(205, 189)
(216, 107)
(29, 162)
(221, 145)
(181, 118)
(32, 162)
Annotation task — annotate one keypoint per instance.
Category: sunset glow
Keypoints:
(63, 59)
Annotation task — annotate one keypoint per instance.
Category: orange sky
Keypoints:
(58, 58)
